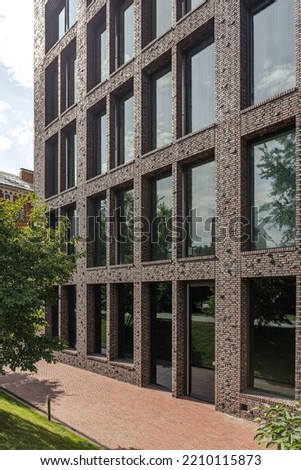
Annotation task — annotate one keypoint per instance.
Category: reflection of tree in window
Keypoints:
(272, 335)
(274, 192)
(162, 219)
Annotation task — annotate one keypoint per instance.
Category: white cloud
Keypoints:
(16, 39)
(24, 133)
(3, 108)
(5, 143)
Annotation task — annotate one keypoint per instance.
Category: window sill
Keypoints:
(66, 191)
(268, 100)
(96, 268)
(49, 124)
(194, 133)
(269, 250)
(261, 396)
(157, 262)
(191, 259)
(70, 352)
(123, 165)
(67, 110)
(97, 358)
(96, 177)
(121, 67)
(157, 150)
(124, 266)
(123, 364)
(95, 87)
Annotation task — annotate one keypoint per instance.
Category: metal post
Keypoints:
(49, 407)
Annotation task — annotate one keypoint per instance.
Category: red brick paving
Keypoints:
(117, 414)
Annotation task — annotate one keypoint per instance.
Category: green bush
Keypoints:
(280, 427)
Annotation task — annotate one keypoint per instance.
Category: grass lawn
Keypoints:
(22, 428)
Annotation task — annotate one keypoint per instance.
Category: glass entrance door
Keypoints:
(201, 341)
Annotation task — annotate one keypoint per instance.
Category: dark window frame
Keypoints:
(167, 68)
(120, 128)
(120, 30)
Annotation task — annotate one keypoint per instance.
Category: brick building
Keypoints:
(12, 185)
(169, 133)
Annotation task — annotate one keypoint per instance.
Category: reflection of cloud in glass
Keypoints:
(274, 49)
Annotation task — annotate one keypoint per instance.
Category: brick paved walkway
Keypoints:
(116, 414)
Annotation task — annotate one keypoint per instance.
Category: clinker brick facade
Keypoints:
(227, 140)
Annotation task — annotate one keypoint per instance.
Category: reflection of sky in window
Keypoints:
(129, 129)
(103, 140)
(129, 33)
(164, 113)
(195, 3)
(103, 54)
(202, 201)
(72, 12)
(262, 195)
(274, 49)
(163, 16)
(202, 88)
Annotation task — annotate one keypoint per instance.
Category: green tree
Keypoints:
(33, 259)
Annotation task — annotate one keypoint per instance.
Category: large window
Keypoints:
(100, 159)
(200, 209)
(70, 331)
(161, 108)
(125, 322)
(125, 228)
(100, 59)
(161, 15)
(273, 191)
(99, 231)
(161, 334)
(69, 85)
(125, 129)
(51, 167)
(161, 220)
(66, 16)
(70, 160)
(199, 87)
(273, 48)
(71, 214)
(125, 32)
(272, 335)
(100, 319)
(51, 92)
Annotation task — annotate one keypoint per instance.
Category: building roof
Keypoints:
(14, 181)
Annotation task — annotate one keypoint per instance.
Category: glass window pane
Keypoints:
(201, 209)
(100, 54)
(125, 208)
(273, 330)
(273, 212)
(191, 4)
(161, 245)
(273, 49)
(100, 232)
(162, 110)
(72, 12)
(126, 32)
(200, 87)
(101, 144)
(161, 17)
(126, 129)
(126, 322)
(100, 319)
(62, 22)
(161, 334)
(70, 80)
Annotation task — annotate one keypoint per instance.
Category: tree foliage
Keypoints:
(280, 427)
(32, 260)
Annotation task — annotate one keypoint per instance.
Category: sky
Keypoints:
(16, 85)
